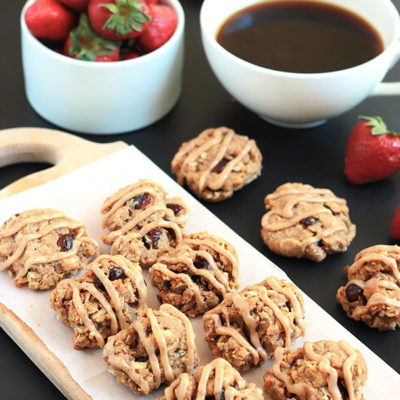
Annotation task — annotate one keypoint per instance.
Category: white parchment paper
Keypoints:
(80, 195)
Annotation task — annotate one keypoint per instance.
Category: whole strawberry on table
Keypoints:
(101, 30)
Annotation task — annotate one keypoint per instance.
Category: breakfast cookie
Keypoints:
(319, 370)
(147, 245)
(155, 349)
(372, 294)
(302, 221)
(42, 246)
(216, 163)
(106, 299)
(216, 380)
(135, 206)
(196, 275)
(247, 327)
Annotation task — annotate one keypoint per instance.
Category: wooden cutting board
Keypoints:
(66, 152)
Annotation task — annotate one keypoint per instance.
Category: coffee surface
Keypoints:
(300, 36)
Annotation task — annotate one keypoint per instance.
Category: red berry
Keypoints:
(395, 227)
(131, 54)
(48, 19)
(119, 19)
(78, 5)
(85, 44)
(160, 29)
(372, 152)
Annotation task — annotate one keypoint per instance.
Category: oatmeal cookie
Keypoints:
(216, 380)
(302, 221)
(247, 327)
(42, 246)
(320, 370)
(372, 294)
(196, 276)
(155, 349)
(147, 245)
(106, 299)
(135, 206)
(216, 163)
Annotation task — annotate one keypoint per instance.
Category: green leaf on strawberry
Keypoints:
(85, 44)
(378, 126)
(126, 17)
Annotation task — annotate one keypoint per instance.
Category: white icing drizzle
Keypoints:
(220, 137)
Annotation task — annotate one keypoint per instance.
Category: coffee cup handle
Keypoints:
(388, 88)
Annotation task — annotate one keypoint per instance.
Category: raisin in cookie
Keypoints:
(247, 327)
(155, 349)
(42, 246)
(302, 221)
(216, 380)
(216, 163)
(372, 294)
(106, 299)
(196, 276)
(319, 370)
(147, 245)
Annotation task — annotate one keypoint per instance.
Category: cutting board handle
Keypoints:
(65, 151)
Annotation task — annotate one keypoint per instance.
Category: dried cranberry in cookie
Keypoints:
(372, 294)
(132, 207)
(196, 275)
(319, 370)
(148, 244)
(216, 163)
(42, 246)
(106, 299)
(247, 327)
(216, 380)
(302, 221)
(155, 349)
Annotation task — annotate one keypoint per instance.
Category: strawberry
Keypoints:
(130, 54)
(395, 227)
(48, 19)
(77, 5)
(119, 19)
(160, 29)
(85, 44)
(372, 152)
(151, 1)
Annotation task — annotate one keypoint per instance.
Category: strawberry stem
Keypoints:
(126, 16)
(378, 126)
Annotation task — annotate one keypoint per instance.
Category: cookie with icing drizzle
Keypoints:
(248, 326)
(106, 299)
(135, 206)
(216, 163)
(196, 275)
(153, 350)
(142, 222)
(302, 221)
(217, 380)
(319, 370)
(372, 294)
(42, 246)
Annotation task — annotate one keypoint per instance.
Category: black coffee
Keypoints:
(300, 36)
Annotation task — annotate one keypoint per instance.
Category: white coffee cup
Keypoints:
(103, 97)
(299, 100)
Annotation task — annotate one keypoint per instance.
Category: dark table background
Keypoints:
(313, 156)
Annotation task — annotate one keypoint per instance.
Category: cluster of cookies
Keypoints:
(195, 274)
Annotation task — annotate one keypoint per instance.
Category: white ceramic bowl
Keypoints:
(103, 97)
(298, 100)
